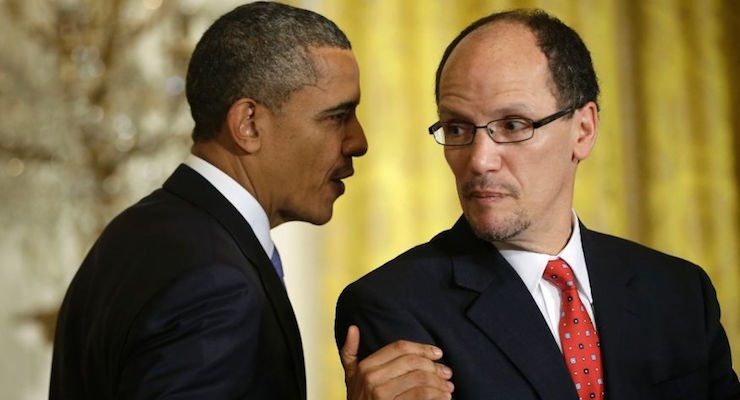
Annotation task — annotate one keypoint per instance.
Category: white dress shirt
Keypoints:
(530, 266)
(239, 197)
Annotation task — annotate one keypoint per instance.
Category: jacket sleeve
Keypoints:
(723, 382)
(380, 322)
(193, 340)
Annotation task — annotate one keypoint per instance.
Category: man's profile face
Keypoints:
(510, 192)
(314, 137)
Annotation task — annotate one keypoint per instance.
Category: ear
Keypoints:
(587, 128)
(241, 126)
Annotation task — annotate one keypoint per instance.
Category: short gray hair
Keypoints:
(259, 50)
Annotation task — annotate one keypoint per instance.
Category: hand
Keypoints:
(400, 370)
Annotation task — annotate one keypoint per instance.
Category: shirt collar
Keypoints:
(530, 265)
(239, 197)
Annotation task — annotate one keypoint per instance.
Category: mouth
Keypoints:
(489, 192)
(486, 194)
(336, 179)
(338, 186)
(486, 188)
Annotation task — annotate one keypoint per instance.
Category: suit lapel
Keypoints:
(191, 186)
(616, 309)
(507, 314)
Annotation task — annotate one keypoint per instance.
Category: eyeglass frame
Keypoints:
(535, 124)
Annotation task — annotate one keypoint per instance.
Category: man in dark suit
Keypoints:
(524, 300)
(182, 296)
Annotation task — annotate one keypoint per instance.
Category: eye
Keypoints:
(513, 125)
(456, 128)
(339, 117)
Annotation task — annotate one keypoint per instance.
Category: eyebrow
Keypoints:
(345, 106)
(516, 108)
(449, 112)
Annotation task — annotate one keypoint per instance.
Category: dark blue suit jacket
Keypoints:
(177, 300)
(657, 317)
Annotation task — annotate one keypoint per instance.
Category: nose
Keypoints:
(355, 143)
(485, 154)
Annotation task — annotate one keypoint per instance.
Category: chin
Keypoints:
(321, 221)
(320, 217)
(496, 227)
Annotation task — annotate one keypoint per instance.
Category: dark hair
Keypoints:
(568, 58)
(259, 50)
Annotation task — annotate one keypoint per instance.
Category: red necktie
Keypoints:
(577, 334)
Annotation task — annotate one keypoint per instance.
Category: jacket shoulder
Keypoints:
(644, 260)
(416, 268)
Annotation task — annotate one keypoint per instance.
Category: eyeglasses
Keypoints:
(505, 130)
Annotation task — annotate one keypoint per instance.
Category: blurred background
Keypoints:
(93, 116)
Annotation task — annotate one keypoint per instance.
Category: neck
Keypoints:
(232, 162)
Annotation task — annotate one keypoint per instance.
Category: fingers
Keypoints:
(416, 384)
(348, 354)
(402, 347)
(425, 393)
(401, 365)
(401, 370)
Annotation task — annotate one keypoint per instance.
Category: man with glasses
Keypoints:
(525, 301)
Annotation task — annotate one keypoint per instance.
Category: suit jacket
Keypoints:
(657, 317)
(177, 299)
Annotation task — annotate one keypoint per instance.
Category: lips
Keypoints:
(342, 174)
(338, 185)
(486, 188)
(486, 194)
(336, 179)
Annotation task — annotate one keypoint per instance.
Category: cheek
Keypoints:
(544, 173)
(317, 164)
(529, 172)
(456, 161)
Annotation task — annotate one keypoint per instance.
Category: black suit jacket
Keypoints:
(657, 317)
(177, 300)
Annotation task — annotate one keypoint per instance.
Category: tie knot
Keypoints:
(558, 272)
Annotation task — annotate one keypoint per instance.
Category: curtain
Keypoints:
(664, 171)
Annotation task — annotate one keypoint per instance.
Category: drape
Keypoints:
(664, 171)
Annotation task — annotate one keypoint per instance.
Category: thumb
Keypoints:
(348, 353)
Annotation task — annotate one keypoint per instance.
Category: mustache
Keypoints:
(489, 184)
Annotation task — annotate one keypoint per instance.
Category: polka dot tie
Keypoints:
(577, 334)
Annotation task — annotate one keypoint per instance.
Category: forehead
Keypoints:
(497, 64)
(338, 82)
(334, 64)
